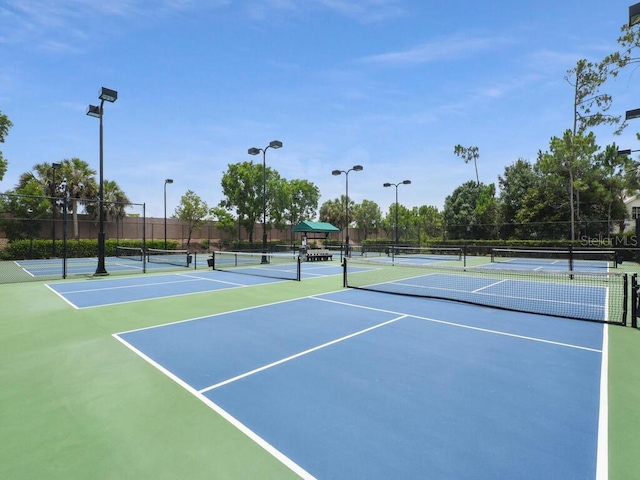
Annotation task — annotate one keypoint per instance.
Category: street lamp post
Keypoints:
(30, 212)
(168, 180)
(355, 168)
(108, 95)
(404, 182)
(255, 151)
(54, 187)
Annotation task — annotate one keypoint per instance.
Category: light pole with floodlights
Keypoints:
(355, 168)
(404, 182)
(255, 151)
(168, 180)
(54, 205)
(106, 94)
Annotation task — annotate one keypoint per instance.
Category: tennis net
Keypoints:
(567, 258)
(130, 253)
(180, 258)
(427, 253)
(594, 296)
(284, 266)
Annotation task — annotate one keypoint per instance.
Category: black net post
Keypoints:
(625, 300)
(64, 236)
(344, 273)
(637, 236)
(634, 300)
(570, 257)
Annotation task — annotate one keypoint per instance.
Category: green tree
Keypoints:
(468, 154)
(618, 177)
(82, 188)
(5, 125)
(470, 212)
(28, 209)
(367, 216)
(293, 201)
(544, 210)
(569, 157)
(626, 57)
(242, 186)
(115, 203)
(514, 185)
(406, 222)
(429, 221)
(73, 176)
(332, 211)
(589, 104)
(192, 210)
(224, 220)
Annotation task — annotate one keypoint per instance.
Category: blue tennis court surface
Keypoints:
(109, 291)
(82, 266)
(541, 264)
(357, 384)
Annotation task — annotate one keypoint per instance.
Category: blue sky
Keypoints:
(392, 85)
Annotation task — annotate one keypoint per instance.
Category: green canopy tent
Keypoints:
(313, 229)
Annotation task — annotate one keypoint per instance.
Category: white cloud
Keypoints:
(366, 10)
(445, 48)
(31, 21)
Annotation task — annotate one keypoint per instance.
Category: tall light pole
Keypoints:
(404, 182)
(30, 212)
(355, 168)
(255, 151)
(54, 188)
(168, 180)
(108, 95)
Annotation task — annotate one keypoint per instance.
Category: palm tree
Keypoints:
(115, 203)
(81, 185)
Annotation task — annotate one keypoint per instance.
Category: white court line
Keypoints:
(488, 286)
(297, 469)
(602, 456)
(460, 325)
(300, 354)
(193, 319)
(121, 287)
(62, 296)
(531, 299)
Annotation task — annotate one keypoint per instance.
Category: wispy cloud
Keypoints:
(363, 11)
(445, 48)
(366, 10)
(64, 22)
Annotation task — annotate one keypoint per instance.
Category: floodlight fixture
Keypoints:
(631, 114)
(108, 95)
(93, 111)
(634, 14)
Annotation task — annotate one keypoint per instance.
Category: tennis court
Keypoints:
(348, 389)
(52, 267)
(198, 373)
